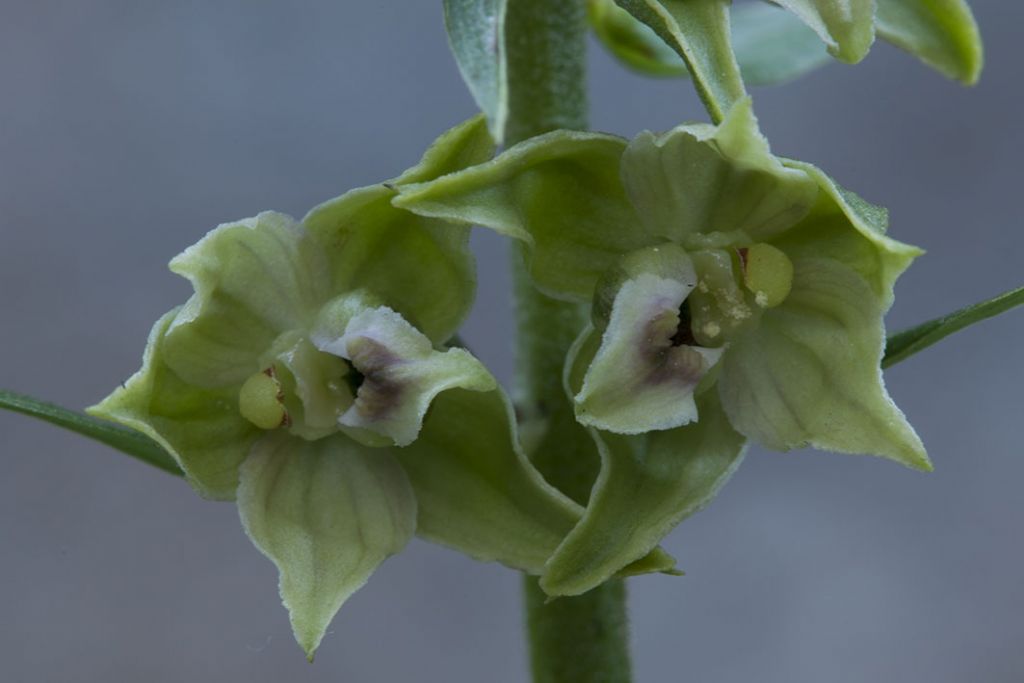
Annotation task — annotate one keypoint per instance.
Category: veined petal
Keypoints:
(421, 267)
(559, 193)
(327, 513)
(401, 373)
(202, 428)
(642, 375)
(808, 373)
(477, 491)
(679, 180)
(253, 280)
(648, 484)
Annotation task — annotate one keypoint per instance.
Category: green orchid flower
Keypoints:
(307, 379)
(735, 296)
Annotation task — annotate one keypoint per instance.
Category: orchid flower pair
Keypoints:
(734, 296)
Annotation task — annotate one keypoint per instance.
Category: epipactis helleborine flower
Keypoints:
(306, 378)
(735, 295)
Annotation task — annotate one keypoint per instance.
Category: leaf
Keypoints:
(648, 484)
(476, 34)
(560, 193)
(772, 46)
(698, 30)
(327, 513)
(846, 26)
(905, 344)
(941, 33)
(128, 441)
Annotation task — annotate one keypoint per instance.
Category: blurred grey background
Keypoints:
(128, 128)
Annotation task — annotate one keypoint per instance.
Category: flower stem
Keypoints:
(582, 639)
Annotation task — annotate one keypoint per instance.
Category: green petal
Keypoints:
(698, 30)
(809, 374)
(640, 378)
(560, 193)
(401, 373)
(327, 513)
(201, 428)
(941, 33)
(846, 26)
(253, 280)
(648, 484)
(422, 268)
(677, 181)
(476, 490)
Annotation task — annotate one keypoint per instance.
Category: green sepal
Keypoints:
(327, 513)
(772, 46)
(638, 377)
(560, 193)
(698, 30)
(846, 26)
(826, 231)
(477, 491)
(808, 373)
(201, 428)
(648, 484)
(677, 181)
(941, 33)
(400, 374)
(253, 280)
(420, 267)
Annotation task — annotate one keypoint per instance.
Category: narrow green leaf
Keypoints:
(941, 33)
(476, 33)
(128, 441)
(699, 31)
(772, 46)
(903, 345)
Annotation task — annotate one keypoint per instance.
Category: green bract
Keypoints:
(735, 295)
(674, 38)
(308, 355)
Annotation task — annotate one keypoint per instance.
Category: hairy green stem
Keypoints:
(583, 639)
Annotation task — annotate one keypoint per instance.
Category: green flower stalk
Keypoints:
(308, 380)
(735, 296)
